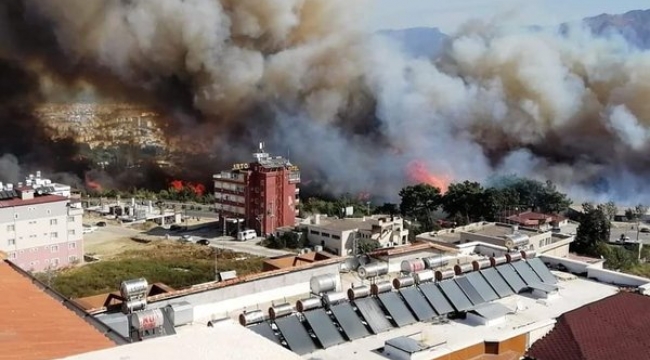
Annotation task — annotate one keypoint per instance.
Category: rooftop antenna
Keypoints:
(261, 154)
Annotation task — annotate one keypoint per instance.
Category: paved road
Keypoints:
(630, 231)
(248, 247)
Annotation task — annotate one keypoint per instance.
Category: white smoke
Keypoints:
(566, 107)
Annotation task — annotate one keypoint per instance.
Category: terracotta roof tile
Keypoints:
(35, 326)
(617, 327)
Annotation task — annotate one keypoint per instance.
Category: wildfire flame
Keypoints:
(418, 172)
(180, 185)
(92, 184)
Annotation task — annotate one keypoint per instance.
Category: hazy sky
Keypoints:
(449, 14)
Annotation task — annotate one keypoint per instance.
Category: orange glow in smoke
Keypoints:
(93, 185)
(179, 185)
(417, 172)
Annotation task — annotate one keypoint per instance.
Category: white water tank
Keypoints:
(323, 283)
(373, 269)
(413, 265)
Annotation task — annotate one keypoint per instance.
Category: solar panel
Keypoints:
(418, 304)
(510, 276)
(455, 295)
(296, 335)
(435, 297)
(327, 334)
(264, 329)
(496, 281)
(396, 308)
(373, 315)
(469, 290)
(482, 286)
(526, 273)
(349, 321)
(542, 271)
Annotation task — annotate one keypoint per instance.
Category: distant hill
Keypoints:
(634, 26)
(418, 42)
(428, 42)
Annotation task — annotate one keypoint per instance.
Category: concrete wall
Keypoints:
(224, 301)
(573, 266)
(614, 277)
(342, 242)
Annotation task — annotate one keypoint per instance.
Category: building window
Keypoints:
(11, 242)
(72, 246)
(11, 227)
(314, 232)
(54, 248)
(71, 232)
(336, 237)
(55, 262)
(13, 256)
(70, 218)
(54, 235)
(53, 221)
(72, 258)
(541, 243)
(15, 216)
(325, 235)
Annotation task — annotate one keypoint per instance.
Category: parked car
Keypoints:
(203, 242)
(177, 228)
(645, 230)
(246, 235)
(101, 223)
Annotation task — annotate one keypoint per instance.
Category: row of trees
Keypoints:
(184, 194)
(469, 201)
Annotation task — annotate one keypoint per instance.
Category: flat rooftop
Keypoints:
(225, 340)
(459, 334)
(501, 230)
(347, 224)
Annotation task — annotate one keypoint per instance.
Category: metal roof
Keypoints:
(406, 344)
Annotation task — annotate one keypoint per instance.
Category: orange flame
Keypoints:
(179, 185)
(93, 185)
(417, 171)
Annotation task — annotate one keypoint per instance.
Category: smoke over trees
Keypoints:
(351, 108)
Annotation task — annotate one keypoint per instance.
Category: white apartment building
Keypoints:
(38, 230)
(342, 236)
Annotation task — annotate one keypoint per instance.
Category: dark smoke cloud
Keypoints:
(350, 108)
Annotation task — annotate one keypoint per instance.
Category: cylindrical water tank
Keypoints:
(528, 254)
(381, 287)
(436, 261)
(251, 317)
(323, 283)
(303, 305)
(444, 275)
(424, 276)
(403, 281)
(334, 298)
(358, 292)
(480, 264)
(413, 265)
(134, 305)
(148, 319)
(495, 261)
(280, 310)
(135, 288)
(461, 269)
(373, 269)
(512, 257)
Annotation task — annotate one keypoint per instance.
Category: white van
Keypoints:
(246, 235)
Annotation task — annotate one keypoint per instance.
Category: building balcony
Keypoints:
(229, 176)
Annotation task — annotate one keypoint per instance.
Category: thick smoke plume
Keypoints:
(351, 108)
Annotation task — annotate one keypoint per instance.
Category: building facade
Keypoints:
(342, 236)
(40, 231)
(260, 195)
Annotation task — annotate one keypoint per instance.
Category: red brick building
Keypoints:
(260, 195)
